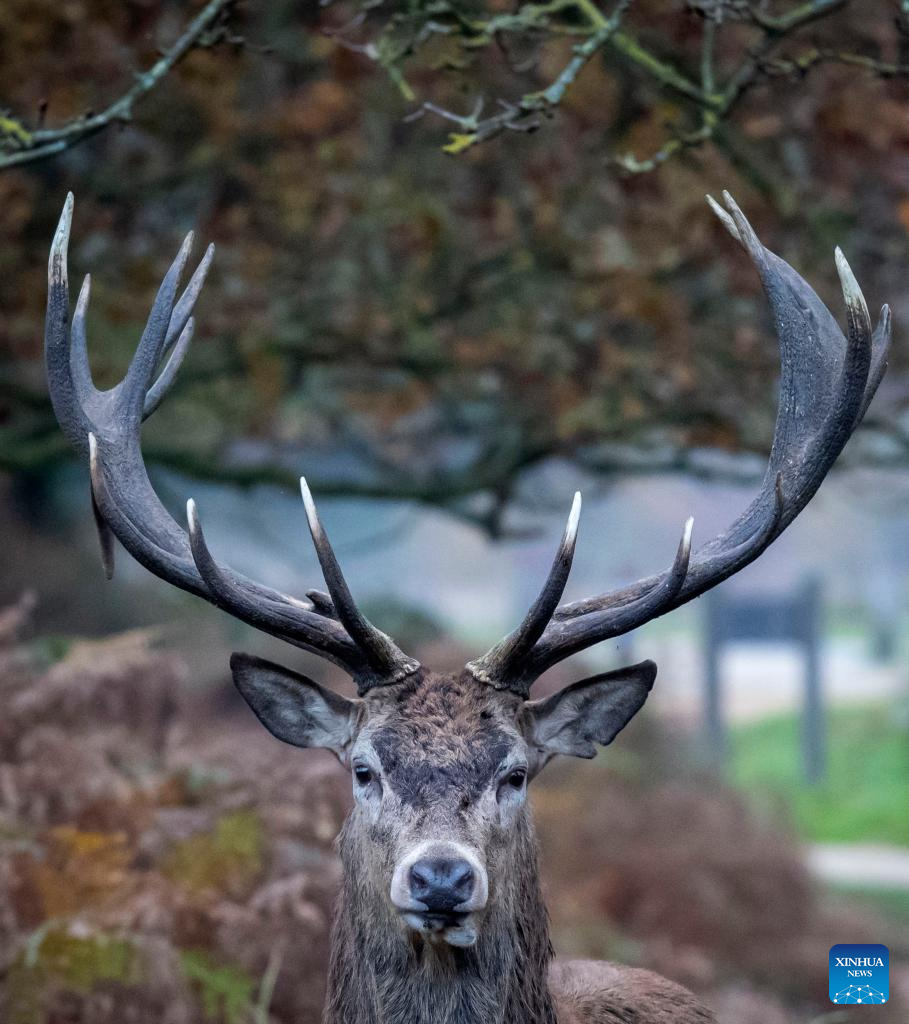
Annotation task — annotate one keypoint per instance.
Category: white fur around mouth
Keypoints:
(434, 928)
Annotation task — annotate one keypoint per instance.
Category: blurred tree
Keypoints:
(399, 323)
(707, 62)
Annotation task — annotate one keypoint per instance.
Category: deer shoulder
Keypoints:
(597, 992)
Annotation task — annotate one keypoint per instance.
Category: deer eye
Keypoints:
(363, 775)
(517, 778)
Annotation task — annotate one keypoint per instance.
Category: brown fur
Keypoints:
(378, 973)
(596, 992)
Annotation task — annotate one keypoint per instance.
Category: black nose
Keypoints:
(442, 885)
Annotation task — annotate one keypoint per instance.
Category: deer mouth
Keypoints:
(450, 926)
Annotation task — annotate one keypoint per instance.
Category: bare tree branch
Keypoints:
(19, 145)
(404, 29)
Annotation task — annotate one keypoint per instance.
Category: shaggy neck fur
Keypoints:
(380, 975)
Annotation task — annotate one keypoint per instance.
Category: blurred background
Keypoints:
(464, 267)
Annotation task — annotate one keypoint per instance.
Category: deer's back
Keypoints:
(597, 992)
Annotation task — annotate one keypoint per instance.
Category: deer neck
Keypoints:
(380, 975)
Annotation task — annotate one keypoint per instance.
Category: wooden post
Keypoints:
(814, 752)
(713, 709)
(794, 618)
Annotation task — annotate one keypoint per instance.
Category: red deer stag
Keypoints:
(440, 918)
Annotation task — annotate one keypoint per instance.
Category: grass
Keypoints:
(865, 796)
(225, 992)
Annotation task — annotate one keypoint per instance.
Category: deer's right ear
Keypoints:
(296, 709)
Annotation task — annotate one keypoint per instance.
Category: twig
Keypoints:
(524, 115)
(807, 12)
(683, 140)
(582, 54)
(708, 47)
(710, 96)
(664, 72)
(812, 58)
(269, 980)
(25, 146)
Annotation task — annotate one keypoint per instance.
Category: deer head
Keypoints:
(439, 837)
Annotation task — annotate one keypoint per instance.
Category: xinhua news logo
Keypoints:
(859, 973)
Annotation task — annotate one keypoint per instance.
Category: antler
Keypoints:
(826, 384)
(105, 427)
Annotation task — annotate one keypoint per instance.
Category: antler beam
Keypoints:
(827, 382)
(105, 426)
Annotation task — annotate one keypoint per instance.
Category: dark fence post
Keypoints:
(713, 709)
(813, 731)
(795, 618)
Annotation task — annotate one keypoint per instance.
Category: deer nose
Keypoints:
(441, 884)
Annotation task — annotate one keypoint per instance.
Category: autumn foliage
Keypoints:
(163, 859)
(428, 326)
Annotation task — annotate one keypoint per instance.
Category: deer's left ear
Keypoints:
(593, 711)
(296, 709)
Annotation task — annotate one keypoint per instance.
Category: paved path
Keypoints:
(863, 865)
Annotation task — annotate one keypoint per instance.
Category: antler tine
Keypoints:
(826, 383)
(880, 350)
(724, 218)
(497, 666)
(159, 390)
(179, 330)
(179, 335)
(66, 397)
(852, 386)
(105, 426)
(80, 369)
(571, 633)
(186, 303)
(132, 390)
(386, 660)
(273, 617)
(736, 557)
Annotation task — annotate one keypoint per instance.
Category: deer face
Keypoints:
(440, 767)
(440, 776)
